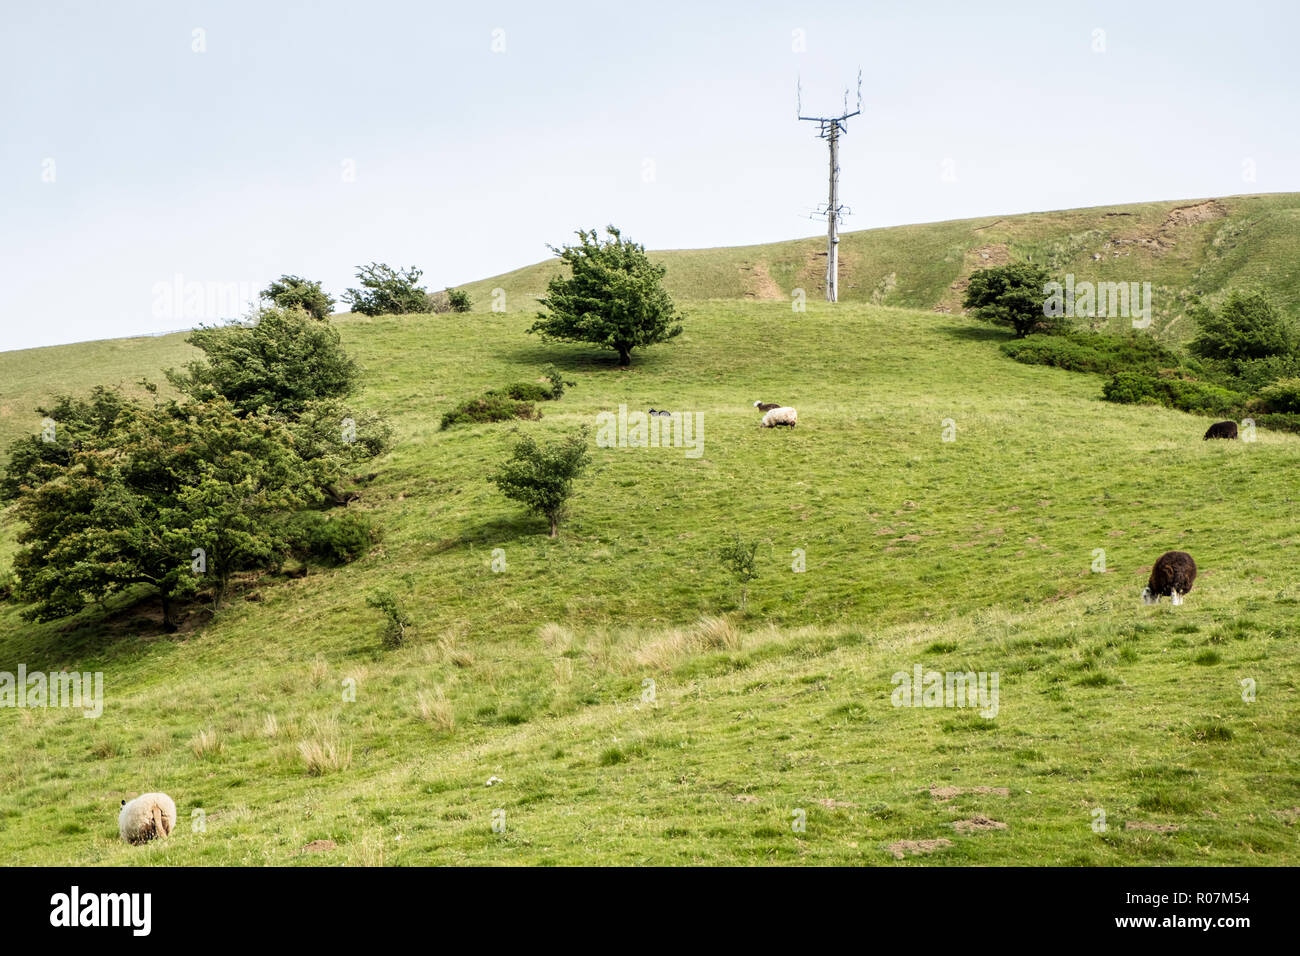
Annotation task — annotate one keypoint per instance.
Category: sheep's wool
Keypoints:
(147, 817)
(784, 415)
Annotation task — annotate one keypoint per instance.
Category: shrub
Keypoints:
(387, 291)
(552, 375)
(289, 292)
(1097, 352)
(524, 392)
(490, 408)
(1188, 396)
(1246, 326)
(459, 300)
(541, 476)
(396, 620)
(1281, 396)
(329, 538)
(738, 558)
(283, 362)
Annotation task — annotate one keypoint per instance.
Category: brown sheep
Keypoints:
(1221, 430)
(1172, 574)
(767, 406)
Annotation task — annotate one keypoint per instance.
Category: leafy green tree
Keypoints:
(738, 558)
(1012, 296)
(541, 477)
(34, 459)
(613, 297)
(290, 292)
(178, 497)
(387, 291)
(282, 363)
(459, 300)
(396, 619)
(1246, 326)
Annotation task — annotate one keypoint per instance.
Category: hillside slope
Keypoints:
(976, 554)
(1182, 247)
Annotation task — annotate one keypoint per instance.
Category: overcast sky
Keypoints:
(151, 145)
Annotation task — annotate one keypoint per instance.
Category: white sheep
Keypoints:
(785, 415)
(147, 817)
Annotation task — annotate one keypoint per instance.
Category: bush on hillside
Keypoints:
(1246, 326)
(1282, 396)
(489, 408)
(541, 477)
(290, 292)
(332, 539)
(387, 291)
(282, 363)
(1202, 398)
(1096, 352)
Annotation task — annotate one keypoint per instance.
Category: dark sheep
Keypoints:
(767, 406)
(1172, 575)
(1221, 430)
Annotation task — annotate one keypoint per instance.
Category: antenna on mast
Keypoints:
(829, 129)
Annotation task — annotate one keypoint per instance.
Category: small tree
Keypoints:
(387, 291)
(1010, 295)
(459, 300)
(290, 292)
(738, 558)
(283, 362)
(541, 477)
(613, 298)
(396, 620)
(1246, 326)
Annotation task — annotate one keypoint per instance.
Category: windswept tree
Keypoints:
(281, 363)
(289, 292)
(1011, 295)
(613, 297)
(387, 291)
(65, 426)
(178, 497)
(541, 477)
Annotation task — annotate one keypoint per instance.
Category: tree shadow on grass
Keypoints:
(581, 358)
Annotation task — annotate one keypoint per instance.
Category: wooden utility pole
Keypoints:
(830, 128)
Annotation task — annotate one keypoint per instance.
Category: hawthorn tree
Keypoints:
(613, 297)
(296, 292)
(282, 362)
(387, 291)
(541, 477)
(176, 496)
(1010, 295)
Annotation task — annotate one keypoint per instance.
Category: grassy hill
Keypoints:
(1183, 248)
(970, 555)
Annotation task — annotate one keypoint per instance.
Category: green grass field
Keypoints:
(969, 555)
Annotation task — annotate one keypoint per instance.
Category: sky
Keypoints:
(151, 149)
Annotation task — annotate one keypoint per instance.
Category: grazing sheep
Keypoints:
(767, 406)
(783, 415)
(1221, 430)
(147, 817)
(1172, 574)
